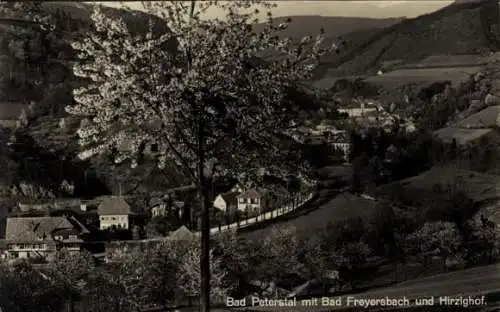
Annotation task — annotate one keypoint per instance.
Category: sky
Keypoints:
(372, 9)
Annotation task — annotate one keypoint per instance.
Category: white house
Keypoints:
(341, 141)
(227, 202)
(252, 201)
(357, 112)
(114, 212)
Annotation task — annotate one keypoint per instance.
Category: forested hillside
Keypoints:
(461, 28)
(306, 25)
(36, 74)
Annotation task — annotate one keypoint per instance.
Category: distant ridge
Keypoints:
(305, 25)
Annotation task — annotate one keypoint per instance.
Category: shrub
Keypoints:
(442, 238)
(25, 288)
(188, 279)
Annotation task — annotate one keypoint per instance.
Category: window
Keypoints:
(255, 201)
(242, 200)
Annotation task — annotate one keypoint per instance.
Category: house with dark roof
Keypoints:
(41, 237)
(252, 201)
(227, 202)
(114, 212)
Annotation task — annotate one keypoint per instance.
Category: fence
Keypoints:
(295, 204)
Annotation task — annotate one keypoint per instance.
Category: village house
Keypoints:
(252, 201)
(227, 202)
(340, 141)
(41, 237)
(359, 111)
(114, 212)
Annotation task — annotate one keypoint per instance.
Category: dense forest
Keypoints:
(40, 150)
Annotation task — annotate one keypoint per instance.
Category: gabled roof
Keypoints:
(114, 206)
(251, 193)
(28, 229)
(178, 204)
(237, 186)
(80, 227)
(156, 201)
(340, 137)
(229, 197)
(182, 233)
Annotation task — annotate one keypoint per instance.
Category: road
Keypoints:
(474, 282)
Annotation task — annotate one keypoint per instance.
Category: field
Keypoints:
(330, 206)
(462, 136)
(481, 188)
(424, 75)
(330, 78)
(486, 118)
(343, 207)
(463, 60)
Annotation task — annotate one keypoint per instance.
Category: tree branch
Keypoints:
(160, 112)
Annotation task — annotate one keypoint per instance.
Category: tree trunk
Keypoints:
(205, 223)
(205, 247)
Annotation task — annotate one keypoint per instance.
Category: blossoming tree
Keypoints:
(214, 96)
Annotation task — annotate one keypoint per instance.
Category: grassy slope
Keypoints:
(481, 188)
(329, 207)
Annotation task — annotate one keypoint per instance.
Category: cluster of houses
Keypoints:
(329, 134)
(42, 236)
(75, 228)
(252, 201)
